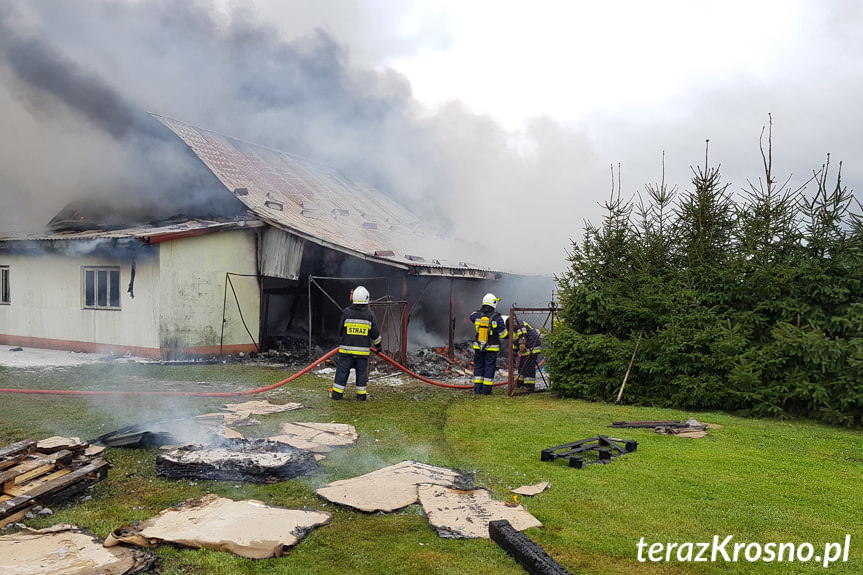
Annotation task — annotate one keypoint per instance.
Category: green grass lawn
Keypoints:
(757, 480)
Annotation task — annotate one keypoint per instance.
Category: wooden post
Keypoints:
(626, 376)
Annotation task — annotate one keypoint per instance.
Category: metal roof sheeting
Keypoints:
(317, 204)
(147, 234)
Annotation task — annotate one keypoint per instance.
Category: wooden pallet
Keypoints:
(45, 473)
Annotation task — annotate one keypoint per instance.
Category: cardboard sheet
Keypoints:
(534, 489)
(226, 419)
(247, 528)
(390, 488)
(260, 407)
(456, 513)
(67, 550)
(317, 437)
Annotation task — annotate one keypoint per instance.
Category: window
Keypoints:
(102, 287)
(4, 285)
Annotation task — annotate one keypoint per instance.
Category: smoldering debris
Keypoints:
(159, 433)
(247, 528)
(208, 428)
(432, 362)
(68, 549)
(250, 460)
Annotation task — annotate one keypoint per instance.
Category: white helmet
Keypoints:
(490, 299)
(360, 295)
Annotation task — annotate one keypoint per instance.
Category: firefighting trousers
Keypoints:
(484, 366)
(360, 365)
(527, 369)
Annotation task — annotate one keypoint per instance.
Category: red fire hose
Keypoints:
(427, 380)
(303, 371)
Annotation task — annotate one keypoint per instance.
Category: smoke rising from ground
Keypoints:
(77, 78)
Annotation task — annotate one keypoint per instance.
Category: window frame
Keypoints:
(5, 289)
(100, 288)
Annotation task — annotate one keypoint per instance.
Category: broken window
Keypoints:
(102, 287)
(4, 285)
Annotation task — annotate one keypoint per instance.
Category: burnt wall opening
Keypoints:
(436, 305)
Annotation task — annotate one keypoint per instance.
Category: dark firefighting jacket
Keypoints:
(497, 328)
(359, 330)
(529, 336)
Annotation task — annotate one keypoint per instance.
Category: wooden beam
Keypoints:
(26, 446)
(15, 516)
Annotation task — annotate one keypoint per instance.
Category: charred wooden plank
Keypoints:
(648, 424)
(25, 447)
(525, 551)
(604, 448)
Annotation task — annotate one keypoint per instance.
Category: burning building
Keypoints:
(266, 247)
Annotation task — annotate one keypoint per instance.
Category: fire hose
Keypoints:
(303, 371)
(427, 380)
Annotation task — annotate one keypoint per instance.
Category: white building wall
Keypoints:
(193, 294)
(47, 303)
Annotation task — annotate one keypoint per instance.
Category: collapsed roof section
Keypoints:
(320, 206)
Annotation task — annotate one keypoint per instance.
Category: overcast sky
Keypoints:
(497, 121)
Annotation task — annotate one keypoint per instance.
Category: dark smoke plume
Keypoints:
(78, 78)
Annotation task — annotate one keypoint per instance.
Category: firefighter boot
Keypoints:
(361, 394)
(335, 394)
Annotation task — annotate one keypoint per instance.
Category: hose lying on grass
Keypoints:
(303, 371)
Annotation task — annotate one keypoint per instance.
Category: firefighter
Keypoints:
(526, 342)
(358, 332)
(490, 330)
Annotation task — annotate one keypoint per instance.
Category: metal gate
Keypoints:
(541, 318)
(391, 315)
(392, 318)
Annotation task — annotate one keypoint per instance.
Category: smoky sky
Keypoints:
(77, 80)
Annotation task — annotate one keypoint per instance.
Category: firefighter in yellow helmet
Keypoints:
(358, 332)
(490, 330)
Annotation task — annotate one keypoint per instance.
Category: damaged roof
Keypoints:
(148, 234)
(315, 203)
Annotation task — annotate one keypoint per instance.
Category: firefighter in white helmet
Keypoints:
(358, 332)
(490, 329)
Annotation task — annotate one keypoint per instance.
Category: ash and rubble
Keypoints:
(431, 362)
(247, 460)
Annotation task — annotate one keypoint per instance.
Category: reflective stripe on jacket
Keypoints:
(531, 339)
(359, 330)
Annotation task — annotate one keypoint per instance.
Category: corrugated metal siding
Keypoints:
(281, 254)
